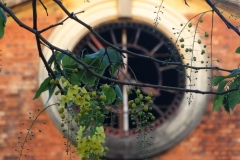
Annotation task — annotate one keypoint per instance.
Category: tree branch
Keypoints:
(228, 24)
(49, 69)
(87, 67)
(72, 16)
(186, 2)
(53, 25)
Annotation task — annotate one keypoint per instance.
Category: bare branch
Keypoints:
(72, 15)
(53, 25)
(228, 24)
(186, 2)
(29, 129)
(44, 7)
(87, 67)
(49, 69)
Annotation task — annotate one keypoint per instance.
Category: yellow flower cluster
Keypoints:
(89, 147)
(79, 95)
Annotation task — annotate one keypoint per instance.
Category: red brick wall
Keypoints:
(217, 136)
(18, 84)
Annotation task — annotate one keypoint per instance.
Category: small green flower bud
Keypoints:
(52, 81)
(62, 115)
(105, 87)
(61, 110)
(56, 81)
(134, 105)
(150, 102)
(129, 92)
(130, 102)
(206, 34)
(150, 94)
(189, 25)
(138, 91)
(137, 100)
(94, 93)
(199, 41)
(57, 92)
(140, 96)
(103, 98)
(145, 108)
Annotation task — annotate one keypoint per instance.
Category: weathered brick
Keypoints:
(217, 136)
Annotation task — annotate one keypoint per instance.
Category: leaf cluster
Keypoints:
(100, 62)
(231, 99)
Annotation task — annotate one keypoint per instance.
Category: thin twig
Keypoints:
(228, 24)
(157, 17)
(21, 24)
(29, 129)
(44, 7)
(49, 69)
(53, 25)
(72, 16)
(87, 67)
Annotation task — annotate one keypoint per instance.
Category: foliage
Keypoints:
(238, 50)
(77, 79)
(229, 100)
(3, 20)
(77, 90)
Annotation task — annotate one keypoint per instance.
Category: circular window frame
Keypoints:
(187, 117)
(131, 28)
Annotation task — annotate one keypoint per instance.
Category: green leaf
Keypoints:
(226, 104)
(58, 55)
(51, 89)
(237, 50)
(221, 86)
(216, 80)
(119, 95)
(234, 97)
(1, 28)
(58, 75)
(110, 95)
(98, 54)
(114, 59)
(218, 99)
(230, 100)
(68, 61)
(87, 78)
(51, 59)
(43, 87)
(96, 63)
(218, 103)
(234, 73)
(74, 78)
(4, 17)
(57, 62)
(3, 20)
(71, 67)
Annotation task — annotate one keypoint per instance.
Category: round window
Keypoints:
(175, 117)
(142, 39)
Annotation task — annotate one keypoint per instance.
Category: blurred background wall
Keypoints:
(216, 137)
